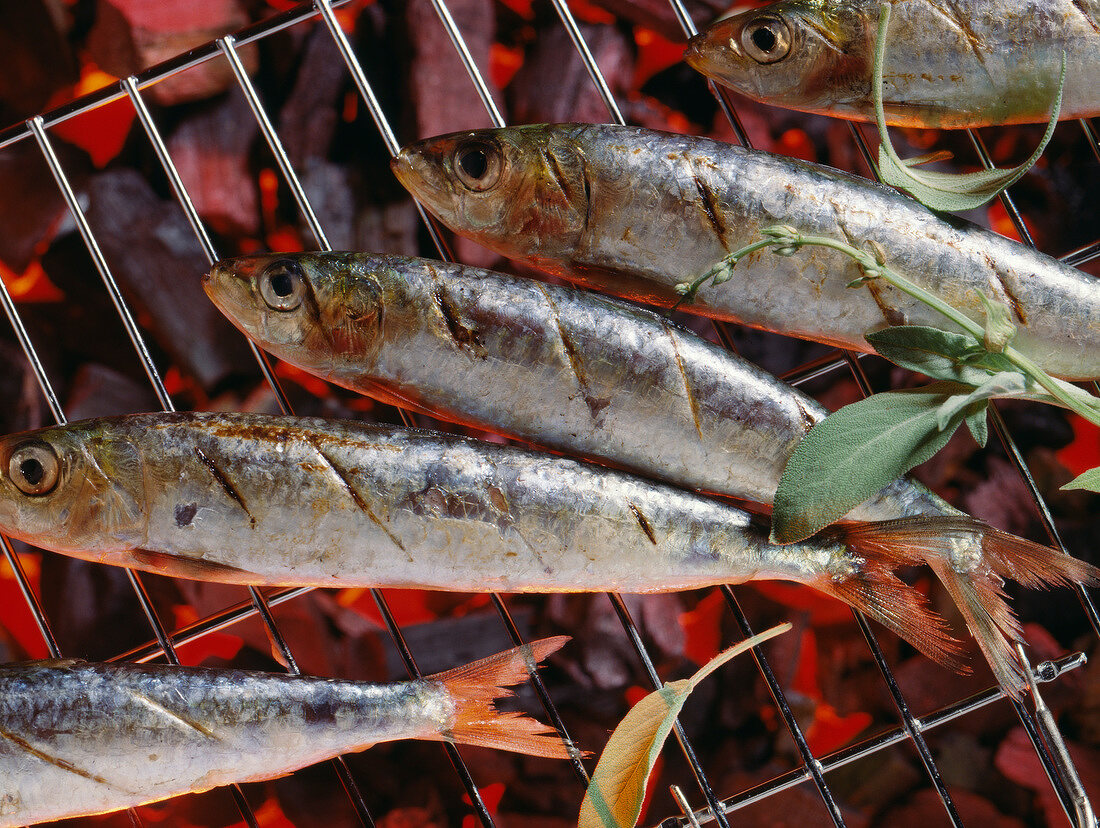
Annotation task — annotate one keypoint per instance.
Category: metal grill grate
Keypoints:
(713, 803)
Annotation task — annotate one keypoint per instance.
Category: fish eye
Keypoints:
(766, 39)
(282, 286)
(477, 164)
(34, 468)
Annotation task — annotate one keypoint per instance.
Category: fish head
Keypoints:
(78, 489)
(803, 54)
(514, 190)
(315, 310)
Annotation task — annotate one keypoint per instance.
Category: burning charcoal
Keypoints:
(211, 151)
(313, 798)
(329, 192)
(659, 16)
(38, 59)
(93, 610)
(444, 96)
(25, 408)
(158, 262)
(799, 807)
(391, 228)
(308, 119)
(132, 35)
(925, 808)
(85, 326)
(552, 85)
(1002, 499)
(29, 220)
(99, 391)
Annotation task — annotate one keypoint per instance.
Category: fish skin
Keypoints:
(656, 210)
(557, 367)
(300, 501)
(84, 738)
(949, 63)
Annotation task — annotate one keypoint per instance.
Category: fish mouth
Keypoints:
(700, 55)
(403, 167)
(420, 171)
(228, 284)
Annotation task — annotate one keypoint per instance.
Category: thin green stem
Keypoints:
(870, 265)
(786, 241)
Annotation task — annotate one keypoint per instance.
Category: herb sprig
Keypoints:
(949, 192)
(856, 451)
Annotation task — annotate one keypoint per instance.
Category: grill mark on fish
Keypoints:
(465, 337)
(1080, 6)
(595, 405)
(587, 194)
(226, 485)
(58, 762)
(808, 420)
(157, 707)
(891, 314)
(959, 21)
(364, 507)
(1017, 308)
(693, 403)
(710, 208)
(643, 522)
(556, 171)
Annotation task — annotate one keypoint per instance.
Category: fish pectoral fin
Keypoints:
(197, 569)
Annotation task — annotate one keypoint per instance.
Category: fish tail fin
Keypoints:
(972, 558)
(874, 589)
(475, 687)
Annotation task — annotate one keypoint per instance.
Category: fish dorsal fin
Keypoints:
(47, 663)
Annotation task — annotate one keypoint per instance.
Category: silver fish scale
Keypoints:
(82, 737)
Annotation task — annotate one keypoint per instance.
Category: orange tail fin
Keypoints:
(474, 688)
(971, 558)
(874, 590)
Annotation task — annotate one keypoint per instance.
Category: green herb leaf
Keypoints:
(1005, 384)
(977, 423)
(950, 192)
(855, 452)
(939, 354)
(1090, 480)
(999, 327)
(615, 794)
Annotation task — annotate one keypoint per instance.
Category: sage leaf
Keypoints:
(939, 354)
(1005, 384)
(948, 192)
(999, 327)
(857, 451)
(1090, 480)
(977, 423)
(617, 789)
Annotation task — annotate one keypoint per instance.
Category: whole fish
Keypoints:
(256, 499)
(571, 371)
(83, 738)
(948, 63)
(636, 212)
